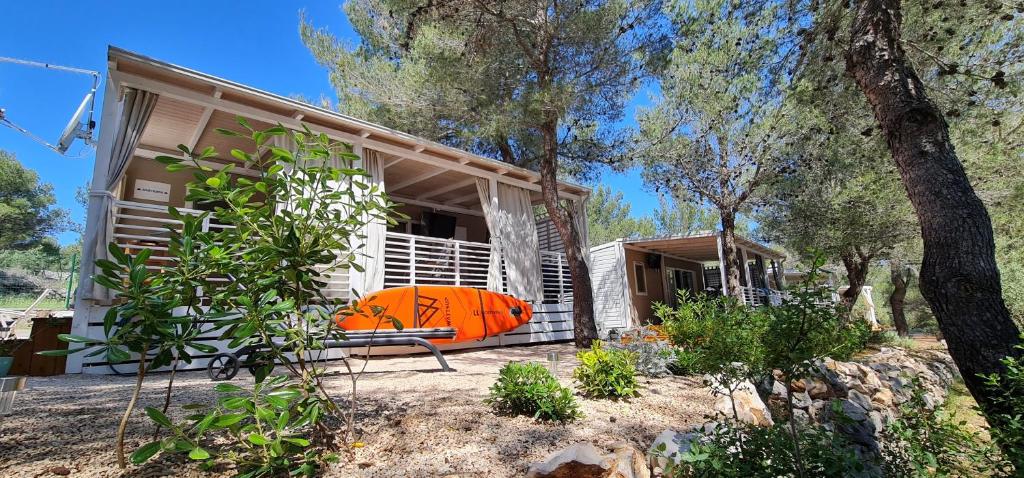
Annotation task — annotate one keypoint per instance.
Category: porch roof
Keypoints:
(699, 247)
(193, 104)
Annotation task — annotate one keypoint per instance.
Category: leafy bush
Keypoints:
(737, 450)
(930, 442)
(606, 373)
(1009, 429)
(716, 330)
(652, 356)
(684, 362)
(265, 428)
(529, 389)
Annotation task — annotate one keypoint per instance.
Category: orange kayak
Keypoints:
(474, 313)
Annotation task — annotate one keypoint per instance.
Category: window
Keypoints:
(640, 278)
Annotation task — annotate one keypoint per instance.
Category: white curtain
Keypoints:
(490, 206)
(373, 251)
(579, 217)
(513, 229)
(134, 111)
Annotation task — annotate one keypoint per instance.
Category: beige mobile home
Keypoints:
(631, 275)
(150, 107)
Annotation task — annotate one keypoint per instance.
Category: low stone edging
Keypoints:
(870, 390)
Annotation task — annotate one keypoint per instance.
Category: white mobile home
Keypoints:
(631, 275)
(150, 107)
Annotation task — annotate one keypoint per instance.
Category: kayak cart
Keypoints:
(224, 366)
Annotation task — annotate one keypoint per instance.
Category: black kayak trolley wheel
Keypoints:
(223, 366)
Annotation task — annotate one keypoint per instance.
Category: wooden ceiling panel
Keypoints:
(224, 144)
(424, 183)
(173, 122)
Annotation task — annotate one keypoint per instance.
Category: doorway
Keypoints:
(678, 279)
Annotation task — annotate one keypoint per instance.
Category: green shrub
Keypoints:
(1008, 427)
(529, 389)
(931, 442)
(684, 362)
(687, 325)
(606, 373)
(737, 450)
(717, 336)
(264, 429)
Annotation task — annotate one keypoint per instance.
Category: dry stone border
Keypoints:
(869, 390)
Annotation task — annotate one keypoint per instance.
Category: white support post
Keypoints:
(721, 265)
(668, 294)
(763, 271)
(747, 267)
(412, 260)
(745, 279)
(83, 308)
(561, 282)
(458, 268)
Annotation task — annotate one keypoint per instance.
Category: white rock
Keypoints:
(749, 408)
(676, 443)
(579, 460)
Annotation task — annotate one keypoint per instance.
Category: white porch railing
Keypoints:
(420, 260)
(139, 226)
(408, 259)
(557, 280)
(756, 297)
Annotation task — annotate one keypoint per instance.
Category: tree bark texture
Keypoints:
(585, 329)
(958, 277)
(731, 256)
(857, 266)
(897, 298)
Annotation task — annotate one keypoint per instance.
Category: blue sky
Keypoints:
(255, 43)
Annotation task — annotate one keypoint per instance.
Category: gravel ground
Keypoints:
(415, 420)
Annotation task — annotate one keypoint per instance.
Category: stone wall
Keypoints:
(869, 390)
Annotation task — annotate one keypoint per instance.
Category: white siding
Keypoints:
(547, 236)
(611, 289)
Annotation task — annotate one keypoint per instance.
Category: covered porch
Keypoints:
(452, 198)
(695, 263)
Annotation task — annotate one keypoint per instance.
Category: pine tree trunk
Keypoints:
(857, 266)
(898, 297)
(958, 278)
(585, 329)
(730, 253)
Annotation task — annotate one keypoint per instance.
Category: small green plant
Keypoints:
(932, 442)
(265, 427)
(741, 451)
(684, 362)
(301, 215)
(891, 339)
(529, 389)
(606, 373)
